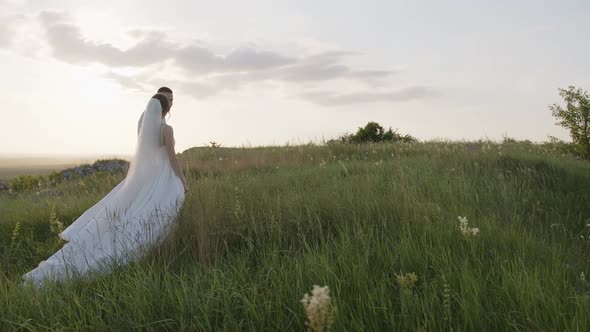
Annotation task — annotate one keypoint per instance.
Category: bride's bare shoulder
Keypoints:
(167, 133)
(166, 128)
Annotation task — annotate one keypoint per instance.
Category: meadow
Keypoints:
(261, 226)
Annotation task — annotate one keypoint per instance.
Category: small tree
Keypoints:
(372, 132)
(575, 116)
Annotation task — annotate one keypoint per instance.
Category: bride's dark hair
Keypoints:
(164, 102)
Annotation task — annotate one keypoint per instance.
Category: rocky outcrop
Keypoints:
(112, 166)
(3, 186)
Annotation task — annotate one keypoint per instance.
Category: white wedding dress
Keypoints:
(134, 217)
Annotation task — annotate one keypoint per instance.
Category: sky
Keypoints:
(76, 74)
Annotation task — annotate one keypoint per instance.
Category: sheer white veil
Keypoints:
(145, 164)
(136, 189)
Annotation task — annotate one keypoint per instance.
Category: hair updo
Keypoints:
(163, 102)
(165, 89)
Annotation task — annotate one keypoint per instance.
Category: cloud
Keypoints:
(141, 33)
(5, 35)
(196, 89)
(327, 66)
(326, 98)
(248, 58)
(315, 68)
(68, 44)
(200, 60)
(206, 73)
(8, 28)
(128, 82)
(51, 17)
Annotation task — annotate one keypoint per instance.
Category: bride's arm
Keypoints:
(169, 143)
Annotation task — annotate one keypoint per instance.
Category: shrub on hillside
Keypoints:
(373, 132)
(26, 182)
(564, 147)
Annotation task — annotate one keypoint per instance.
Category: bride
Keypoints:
(134, 216)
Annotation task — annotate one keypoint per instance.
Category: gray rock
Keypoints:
(111, 166)
(3, 186)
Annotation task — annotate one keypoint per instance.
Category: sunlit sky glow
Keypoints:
(76, 75)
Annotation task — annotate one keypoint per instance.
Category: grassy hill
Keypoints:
(261, 226)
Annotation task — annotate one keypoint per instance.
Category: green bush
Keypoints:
(373, 133)
(26, 182)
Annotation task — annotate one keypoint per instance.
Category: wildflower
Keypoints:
(582, 276)
(15, 233)
(323, 164)
(318, 309)
(465, 229)
(406, 282)
(55, 224)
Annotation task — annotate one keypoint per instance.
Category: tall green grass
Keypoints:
(260, 226)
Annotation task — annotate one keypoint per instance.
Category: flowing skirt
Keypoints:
(120, 228)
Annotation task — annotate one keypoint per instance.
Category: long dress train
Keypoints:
(127, 222)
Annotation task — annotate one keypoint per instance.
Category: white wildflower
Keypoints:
(465, 229)
(406, 281)
(318, 309)
(55, 224)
